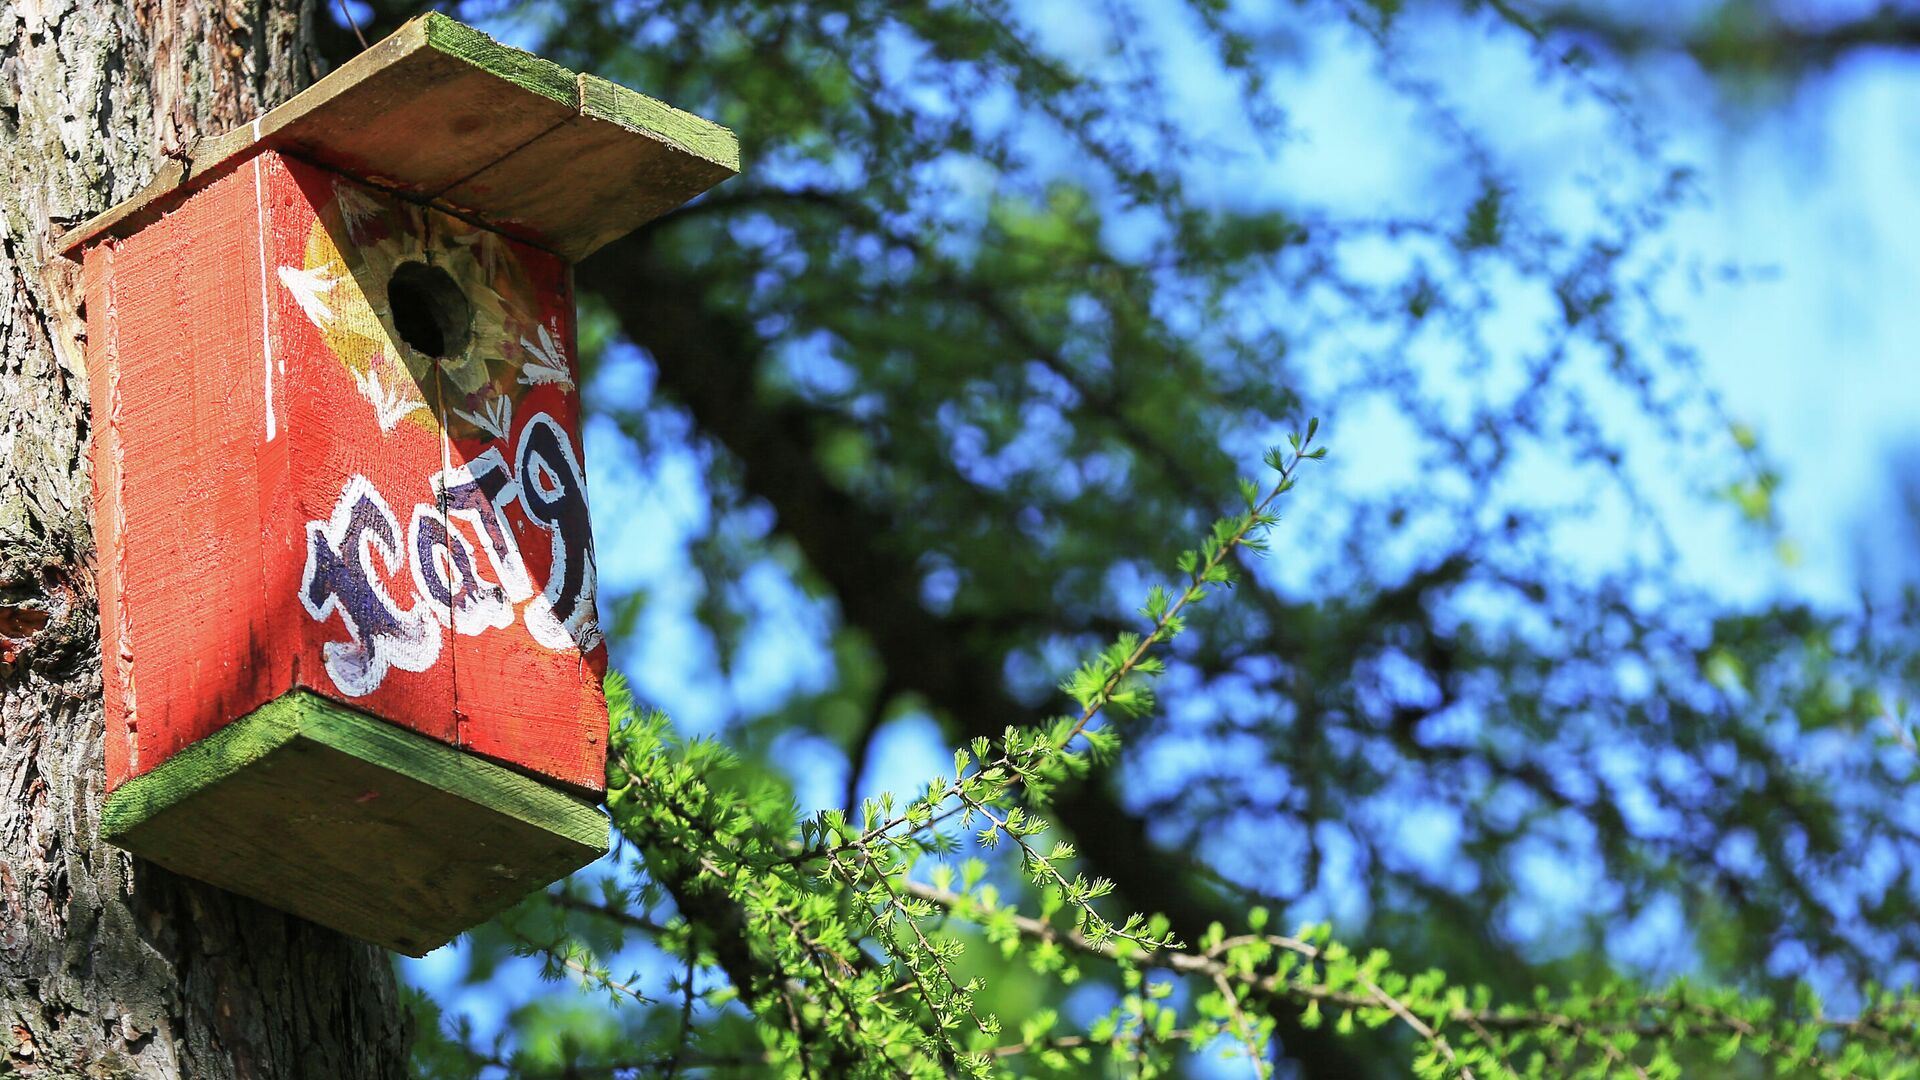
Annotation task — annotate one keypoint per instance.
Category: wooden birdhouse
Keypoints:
(352, 664)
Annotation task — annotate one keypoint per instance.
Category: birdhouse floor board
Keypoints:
(353, 823)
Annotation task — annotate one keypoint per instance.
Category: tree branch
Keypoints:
(707, 360)
(1738, 38)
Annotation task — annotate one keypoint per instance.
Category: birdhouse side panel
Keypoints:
(183, 356)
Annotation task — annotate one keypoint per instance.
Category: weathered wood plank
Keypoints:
(183, 426)
(353, 823)
(442, 112)
(637, 112)
(361, 463)
(623, 161)
(445, 100)
(109, 515)
(529, 695)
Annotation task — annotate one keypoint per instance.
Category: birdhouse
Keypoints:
(351, 659)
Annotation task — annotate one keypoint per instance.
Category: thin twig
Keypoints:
(358, 36)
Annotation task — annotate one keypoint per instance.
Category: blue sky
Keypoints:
(1813, 199)
(1821, 357)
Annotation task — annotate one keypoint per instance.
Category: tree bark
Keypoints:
(111, 967)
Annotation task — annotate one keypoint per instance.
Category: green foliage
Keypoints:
(846, 941)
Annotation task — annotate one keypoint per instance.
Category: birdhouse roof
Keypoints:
(442, 112)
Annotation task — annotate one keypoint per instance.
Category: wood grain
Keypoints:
(103, 456)
(557, 187)
(441, 112)
(358, 825)
(337, 442)
(183, 422)
(536, 708)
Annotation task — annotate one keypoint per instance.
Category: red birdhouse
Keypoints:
(346, 576)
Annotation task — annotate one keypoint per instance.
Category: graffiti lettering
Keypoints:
(341, 577)
(444, 574)
(554, 494)
(352, 553)
(478, 493)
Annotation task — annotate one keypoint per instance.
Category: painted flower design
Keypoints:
(547, 362)
(358, 243)
(494, 416)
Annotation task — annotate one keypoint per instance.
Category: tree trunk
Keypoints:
(111, 967)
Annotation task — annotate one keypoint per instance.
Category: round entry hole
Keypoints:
(430, 312)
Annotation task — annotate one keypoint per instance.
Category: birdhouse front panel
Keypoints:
(441, 403)
(344, 456)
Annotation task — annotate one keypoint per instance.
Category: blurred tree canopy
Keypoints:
(1753, 44)
(998, 313)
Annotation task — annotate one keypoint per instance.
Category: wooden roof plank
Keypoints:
(624, 160)
(441, 111)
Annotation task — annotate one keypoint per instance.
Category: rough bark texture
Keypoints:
(110, 967)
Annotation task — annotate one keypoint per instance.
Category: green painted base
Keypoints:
(353, 823)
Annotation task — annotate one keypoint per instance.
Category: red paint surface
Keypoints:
(187, 546)
(203, 522)
(497, 717)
